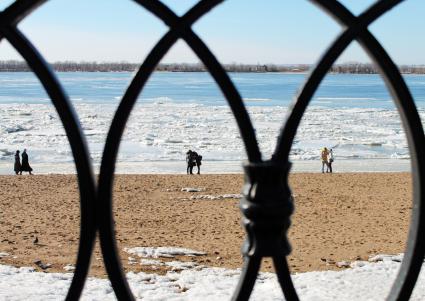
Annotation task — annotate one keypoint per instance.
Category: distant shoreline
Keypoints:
(346, 68)
(223, 167)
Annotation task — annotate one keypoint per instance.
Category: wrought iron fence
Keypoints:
(267, 203)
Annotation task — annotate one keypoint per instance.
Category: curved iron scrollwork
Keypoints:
(267, 203)
(9, 18)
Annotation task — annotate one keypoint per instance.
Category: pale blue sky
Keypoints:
(242, 31)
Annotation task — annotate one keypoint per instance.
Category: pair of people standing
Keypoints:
(327, 159)
(24, 166)
(192, 159)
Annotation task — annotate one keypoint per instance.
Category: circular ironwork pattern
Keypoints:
(9, 18)
(268, 207)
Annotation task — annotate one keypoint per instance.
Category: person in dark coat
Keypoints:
(25, 163)
(17, 167)
(198, 160)
(190, 160)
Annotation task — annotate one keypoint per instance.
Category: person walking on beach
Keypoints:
(17, 166)
(198, 160)
(324, 156)
(330, 161)
(25, 163)
(190, 160)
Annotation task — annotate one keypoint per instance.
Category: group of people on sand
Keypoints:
(193, 159)
(24, 165)
(327, 159)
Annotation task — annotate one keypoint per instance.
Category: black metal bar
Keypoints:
(238, 109)
(249, 274)
(289, 131)
(214, 67)
(415, 248)
(18, 10)
(73, 132)
(407, 276)
(267, 204)
(106, 176)
(285, 281)
(297, 109)
(105, 218)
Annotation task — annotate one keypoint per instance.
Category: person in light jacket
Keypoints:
(324, 155)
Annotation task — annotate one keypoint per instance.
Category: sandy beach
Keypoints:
(339, 217)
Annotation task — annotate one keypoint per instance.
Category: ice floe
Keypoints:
(162, 135)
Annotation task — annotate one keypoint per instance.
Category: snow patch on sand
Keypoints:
(372, 281)
(151, 262)
(179, 265)
(168, 252)
(192, 189)
(383, 257)
(69, 268)
(216, 197)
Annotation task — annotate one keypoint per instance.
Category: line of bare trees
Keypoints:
(70, 66)
(359, 68)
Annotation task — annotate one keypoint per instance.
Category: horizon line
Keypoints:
(201, 64)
